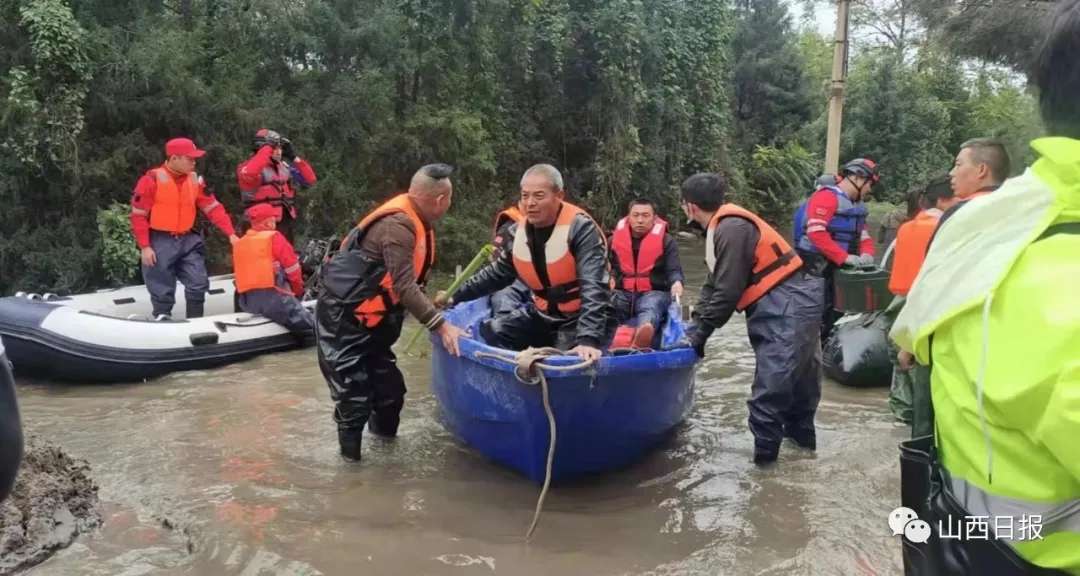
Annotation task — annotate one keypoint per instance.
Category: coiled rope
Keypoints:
(530, 370)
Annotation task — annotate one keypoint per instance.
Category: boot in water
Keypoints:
(349, 440)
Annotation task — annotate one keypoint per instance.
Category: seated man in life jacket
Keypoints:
(560, 253)
(267, 269)
(517, 294)
(647, 271)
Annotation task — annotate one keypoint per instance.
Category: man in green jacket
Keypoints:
(997, 295)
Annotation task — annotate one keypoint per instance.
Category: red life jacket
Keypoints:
(275, 188)
(912, 239)
(174, 205)
(372, 310)
(774, 259)
(636, 276)
(562, 287)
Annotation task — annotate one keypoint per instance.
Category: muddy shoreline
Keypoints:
(54, 500)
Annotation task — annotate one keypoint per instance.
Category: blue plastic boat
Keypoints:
(606, 416)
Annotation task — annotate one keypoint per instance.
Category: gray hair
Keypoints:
(428, 180)
(548, 171)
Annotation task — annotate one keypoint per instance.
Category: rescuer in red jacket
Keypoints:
(272, 175)
(163, 208)
(267, 272)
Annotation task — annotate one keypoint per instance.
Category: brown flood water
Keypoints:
(235, 471)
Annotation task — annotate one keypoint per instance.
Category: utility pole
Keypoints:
(836, 93)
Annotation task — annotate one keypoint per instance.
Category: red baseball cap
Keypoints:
(262, 212)
(183, 147)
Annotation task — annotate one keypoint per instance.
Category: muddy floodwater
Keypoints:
(235, 471)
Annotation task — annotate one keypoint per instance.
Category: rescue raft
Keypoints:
(109, 335)
(607, 416)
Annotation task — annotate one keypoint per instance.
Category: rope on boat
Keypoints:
(530, 370)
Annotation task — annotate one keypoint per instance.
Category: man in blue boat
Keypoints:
(752, 269)
(560, 253)
(647, 271)
(517, 294)
(367, 286)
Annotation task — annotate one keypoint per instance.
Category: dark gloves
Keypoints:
(696, 338)
(288, 153)
(697, 342)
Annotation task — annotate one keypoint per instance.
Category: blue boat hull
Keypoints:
(606, 418)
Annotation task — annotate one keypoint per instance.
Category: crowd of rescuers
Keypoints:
(556, 280)
(164, 205)
(985, 284)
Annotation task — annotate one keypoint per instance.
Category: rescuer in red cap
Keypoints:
(163, 208)
(267, 271)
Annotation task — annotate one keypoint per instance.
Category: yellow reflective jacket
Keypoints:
(997, 306)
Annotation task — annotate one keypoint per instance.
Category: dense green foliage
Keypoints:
(627, 97)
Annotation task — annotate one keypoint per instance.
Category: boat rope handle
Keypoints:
(530, 358)
(530, 371)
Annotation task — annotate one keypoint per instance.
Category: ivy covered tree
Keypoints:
(771, 96)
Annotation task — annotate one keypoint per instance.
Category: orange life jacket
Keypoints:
(561, 287)
(253, 261)
(912, 239)
(372, 310)
(774, 259)
(511, 214)
(174, 206)
(636, 276)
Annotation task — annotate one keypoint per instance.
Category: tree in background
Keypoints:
(1005, 32)
(771, 97)
(914, 96)
(627, 97)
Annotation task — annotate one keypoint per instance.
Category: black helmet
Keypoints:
(864, 167)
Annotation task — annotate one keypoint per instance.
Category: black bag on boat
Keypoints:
(857, 352)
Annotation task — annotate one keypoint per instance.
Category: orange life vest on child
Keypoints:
(636, 276)
(174, 206)
(774, 259)
(912, 239)
(561, 288)
(372, 310)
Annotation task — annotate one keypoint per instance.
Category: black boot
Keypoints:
(194, 309)
(765, 453)
(383, 424)
(349, 439)
(803, 438)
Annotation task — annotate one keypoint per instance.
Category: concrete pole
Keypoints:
(836, 93)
